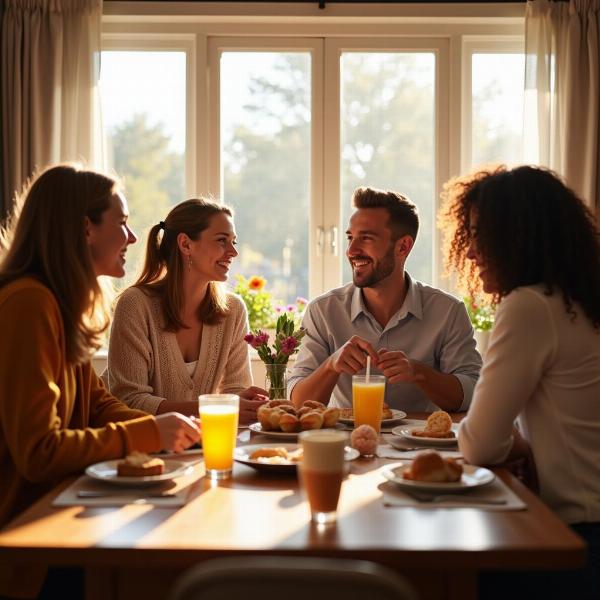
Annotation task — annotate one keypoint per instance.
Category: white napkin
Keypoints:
(394, 496)
(387, 451)
(117, 495)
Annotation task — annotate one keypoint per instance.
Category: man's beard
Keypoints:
(381, 271)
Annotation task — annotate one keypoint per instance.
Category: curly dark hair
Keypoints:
(531, 230)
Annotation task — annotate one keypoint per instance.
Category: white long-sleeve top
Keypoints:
(543, 369)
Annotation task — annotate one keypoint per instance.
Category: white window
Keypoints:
(283, 119)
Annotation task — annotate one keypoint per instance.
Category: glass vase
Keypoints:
(276, 381)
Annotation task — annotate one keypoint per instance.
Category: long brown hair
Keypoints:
(162, 273)
(531, 230)
(45, 239)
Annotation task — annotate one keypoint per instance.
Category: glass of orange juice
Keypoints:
(219, 421)
(367, 400)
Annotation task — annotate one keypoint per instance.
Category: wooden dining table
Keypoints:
(138, 550)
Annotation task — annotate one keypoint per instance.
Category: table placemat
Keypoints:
(395, 496)
(178, 490)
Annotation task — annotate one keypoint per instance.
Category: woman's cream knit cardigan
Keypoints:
(145, 364)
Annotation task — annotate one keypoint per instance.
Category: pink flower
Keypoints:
(279, 309)
(300, 301)
(290, 308)
(288, 345)
(261, 338)
(257, 340)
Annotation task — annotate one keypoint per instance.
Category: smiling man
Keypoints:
(419, 337)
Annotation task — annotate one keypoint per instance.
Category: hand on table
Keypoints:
(177, 432)
(352, 356)
(250, 400)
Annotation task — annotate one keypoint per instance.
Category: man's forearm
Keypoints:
(316, 386)
(441, 388)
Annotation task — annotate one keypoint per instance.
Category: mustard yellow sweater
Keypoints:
(55, 418)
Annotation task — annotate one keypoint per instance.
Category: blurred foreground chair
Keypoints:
(291, 578)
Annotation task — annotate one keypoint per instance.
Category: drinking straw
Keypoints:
(368, 368)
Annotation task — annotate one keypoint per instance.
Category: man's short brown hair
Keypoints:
(404, 215)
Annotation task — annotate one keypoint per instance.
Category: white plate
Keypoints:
(397, 415)
(406, 432)
(281, 435)
(107, 471)
(472, 477)
(242, 455)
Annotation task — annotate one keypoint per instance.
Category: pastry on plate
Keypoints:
(433, 468)
(438, 425)
(138, 464)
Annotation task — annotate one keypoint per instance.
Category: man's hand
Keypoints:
(397, 367)
(352, 356)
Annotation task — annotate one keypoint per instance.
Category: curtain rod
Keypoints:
(323, 3)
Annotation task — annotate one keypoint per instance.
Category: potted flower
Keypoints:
(481, 315)
(287, 342)
(258, 301)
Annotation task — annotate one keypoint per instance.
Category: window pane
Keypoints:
(144, 121)
(388, 138)
(265, 133)
(497, 108)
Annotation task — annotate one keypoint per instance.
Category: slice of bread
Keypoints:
(138, 464)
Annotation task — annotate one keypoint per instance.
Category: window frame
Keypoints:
(475, 44)
(454, 31)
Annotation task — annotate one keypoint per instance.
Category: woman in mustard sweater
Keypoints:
(56, 416)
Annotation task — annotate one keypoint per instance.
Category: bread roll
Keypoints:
(331, 416)
(263, 413)
(311, 420)
(319, 406)
(431, 467)
(289, 423)
(438, 422)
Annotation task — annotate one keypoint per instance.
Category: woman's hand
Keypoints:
(177, 432)
(520, 462)
(250, 400)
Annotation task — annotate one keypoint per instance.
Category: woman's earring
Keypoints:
(189, 263)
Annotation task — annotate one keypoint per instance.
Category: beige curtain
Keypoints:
(49, 93)
(562, 92)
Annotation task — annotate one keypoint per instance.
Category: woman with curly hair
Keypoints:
(537, 252)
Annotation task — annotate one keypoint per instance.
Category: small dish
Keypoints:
(472, 477)
(107, 471)
(397, 415)
(242, 455)
(407, 433)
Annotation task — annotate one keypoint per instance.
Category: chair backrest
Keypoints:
(290, 578)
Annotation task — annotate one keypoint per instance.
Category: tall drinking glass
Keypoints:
(367, 400)
(219, 415)
(322, 471)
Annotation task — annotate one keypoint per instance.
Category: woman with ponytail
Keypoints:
(176, 333)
